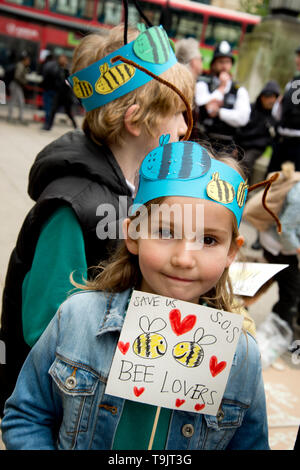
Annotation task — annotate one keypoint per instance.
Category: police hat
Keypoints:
(223, 49)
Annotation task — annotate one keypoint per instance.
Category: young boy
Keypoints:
(76, 177)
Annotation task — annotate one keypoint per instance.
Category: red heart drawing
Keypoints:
(180, 327)
(215, 366)
(179, 402)
(123, 347)
(199, 407)
(138, 391)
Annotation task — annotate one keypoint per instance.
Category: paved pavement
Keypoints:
(19, 146)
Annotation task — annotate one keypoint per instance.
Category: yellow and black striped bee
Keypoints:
(112, 78)
(82, 88)
(241, 193)
(190, 353)
(150, 344)
(220, 190)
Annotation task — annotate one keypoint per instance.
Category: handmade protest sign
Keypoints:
(174, 354)
(247, 278)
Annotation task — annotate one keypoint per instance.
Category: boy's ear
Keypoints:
(234, 248)
(129, 123)
(131, 244)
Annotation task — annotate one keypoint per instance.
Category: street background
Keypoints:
(19, 147)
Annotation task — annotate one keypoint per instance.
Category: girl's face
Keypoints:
(183, 268)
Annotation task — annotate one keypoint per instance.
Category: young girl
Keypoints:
(59, 401)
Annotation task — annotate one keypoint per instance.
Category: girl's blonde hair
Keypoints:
(122, 270)
(155, 100)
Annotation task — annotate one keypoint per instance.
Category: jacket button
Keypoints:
(220, 414)
(188, 430)
(70, 382)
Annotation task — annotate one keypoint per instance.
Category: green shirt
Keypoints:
(59, 252)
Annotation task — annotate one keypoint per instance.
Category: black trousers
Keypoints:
(60, 101)
(288, 281)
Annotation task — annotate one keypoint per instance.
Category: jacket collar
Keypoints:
(115, 311)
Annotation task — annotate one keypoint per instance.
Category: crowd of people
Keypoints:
(52, 386)
(56, 93)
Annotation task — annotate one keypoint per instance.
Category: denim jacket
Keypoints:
(59, 400)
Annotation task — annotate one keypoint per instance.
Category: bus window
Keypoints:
(152, 12)
(110, 12)
(219, 29)
(78, 8)
(29, 3)
(249, 27)
(185, 24)
(11, 49)
(67, 7)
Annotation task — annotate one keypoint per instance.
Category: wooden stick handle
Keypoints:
(154, 428)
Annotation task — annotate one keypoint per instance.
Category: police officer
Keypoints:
(224, 106)
(287, 111)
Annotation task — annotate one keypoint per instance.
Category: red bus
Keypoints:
(58, 25)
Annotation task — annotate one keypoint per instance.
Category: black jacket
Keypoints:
(213, 127)
(290, 116)
(260, 130)
(72, 170)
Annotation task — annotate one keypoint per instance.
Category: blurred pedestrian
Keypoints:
(287, 112)
(63, 95)
(49, 70)
(260, 131)
(283, 248)
(17, 86)
(188, 53)
(224, 106)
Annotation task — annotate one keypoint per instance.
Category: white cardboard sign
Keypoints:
(174, 354)
(247, 278)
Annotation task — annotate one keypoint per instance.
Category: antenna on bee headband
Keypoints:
(142, 15)
(267, 183)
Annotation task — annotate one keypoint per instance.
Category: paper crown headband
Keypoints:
(186, 169)
(110, 78)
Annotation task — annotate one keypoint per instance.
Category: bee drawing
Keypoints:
(82, 88)
(152, 45)
(150, 344)
(191, 353)
(220, 190)
(241, 193)
(112, 78)
(185, 160)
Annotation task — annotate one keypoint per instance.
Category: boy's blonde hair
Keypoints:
(155, 100)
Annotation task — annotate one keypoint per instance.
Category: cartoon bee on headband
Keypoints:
(190, 353)
(150, 344)
(112, 78)
(220, 190)
(82, 88)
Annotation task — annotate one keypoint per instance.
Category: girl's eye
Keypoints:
(209, 241)
(165, 233)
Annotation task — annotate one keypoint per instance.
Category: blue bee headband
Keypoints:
(186, 169)
(109, 79)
